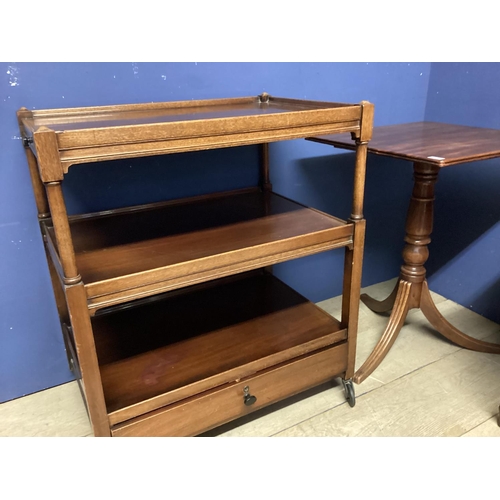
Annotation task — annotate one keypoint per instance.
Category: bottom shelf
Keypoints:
(186, 346)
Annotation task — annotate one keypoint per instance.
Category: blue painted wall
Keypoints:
(31, 350)
(465, 252)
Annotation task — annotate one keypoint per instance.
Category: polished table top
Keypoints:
(439, 144)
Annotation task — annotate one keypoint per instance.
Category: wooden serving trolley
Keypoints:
(172, 322)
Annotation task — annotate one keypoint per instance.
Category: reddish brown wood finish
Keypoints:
(38, 188)
(47, 153)
(94, 134)
(218, 406)
(87, 359)
(127, 250)
(265, 181)
(168, 365)
(430, 146)
(439, 144)
(353, 265)
(166, 353)
(62, 234)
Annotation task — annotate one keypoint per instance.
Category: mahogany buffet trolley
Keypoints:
(172, 319)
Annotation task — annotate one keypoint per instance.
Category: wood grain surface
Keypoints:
(192, 341)
(440, 144)
(180, 239)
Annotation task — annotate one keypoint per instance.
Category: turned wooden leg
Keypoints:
(87, 357)
(353, 264)
(350, 299)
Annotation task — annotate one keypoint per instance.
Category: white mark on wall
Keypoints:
(164, 77)
(114, 76)
(135, 69)
(420, 74)
(12, 71)
(16, 137)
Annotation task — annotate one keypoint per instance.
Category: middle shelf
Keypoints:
(125, 254)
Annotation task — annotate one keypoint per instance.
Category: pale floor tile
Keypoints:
(446, 398)
(490, 428)
(58, 411)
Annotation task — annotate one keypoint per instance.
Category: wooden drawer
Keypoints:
(218, 406)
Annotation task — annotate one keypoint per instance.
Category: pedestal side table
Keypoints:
(430, 146)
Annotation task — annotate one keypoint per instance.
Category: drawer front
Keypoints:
(218, 406)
